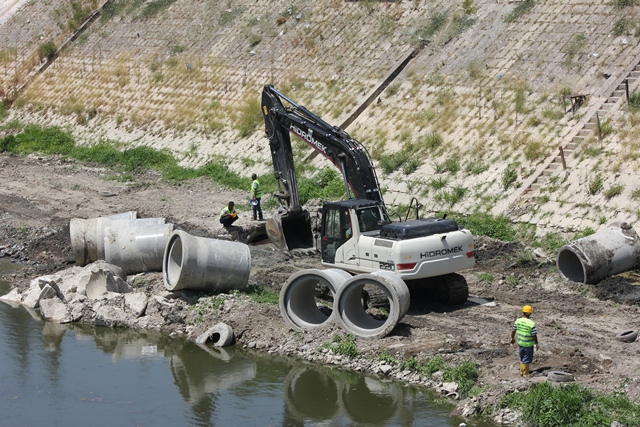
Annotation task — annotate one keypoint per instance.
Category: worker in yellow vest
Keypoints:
(228, 215)
(524, 329)
(256, 195)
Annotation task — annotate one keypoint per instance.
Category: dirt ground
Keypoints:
(578, 324)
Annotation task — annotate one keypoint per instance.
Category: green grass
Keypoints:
(550, 243)
(465, 373)
(344, 345)
(485, 277)
(573, 405)
(263, 295)
(483, 224)
(326, 184)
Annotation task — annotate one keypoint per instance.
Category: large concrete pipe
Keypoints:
(136, 247)
(87, 235)
(297, 297)
(351, 314)
(589, 260)
(205, 264)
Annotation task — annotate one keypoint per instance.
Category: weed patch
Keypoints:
(571, 406)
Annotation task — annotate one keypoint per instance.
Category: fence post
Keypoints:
(626, 88)
(564, 164)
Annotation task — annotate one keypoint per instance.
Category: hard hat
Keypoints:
(527, 309)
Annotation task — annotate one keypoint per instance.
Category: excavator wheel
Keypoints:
(451, 289)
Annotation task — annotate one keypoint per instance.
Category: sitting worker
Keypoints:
(228, 215)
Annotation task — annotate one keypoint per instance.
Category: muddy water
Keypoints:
(74, 375)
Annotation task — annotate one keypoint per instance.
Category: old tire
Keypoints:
(220, 334)
(560, 377)
(628, 336)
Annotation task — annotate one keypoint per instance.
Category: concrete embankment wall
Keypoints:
(474, 114)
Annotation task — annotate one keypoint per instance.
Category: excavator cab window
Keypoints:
(336, 229)
(369, 219)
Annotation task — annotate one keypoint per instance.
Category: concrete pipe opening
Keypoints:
(358, 319)
(594, 258)
(307, 298)
(205, 264)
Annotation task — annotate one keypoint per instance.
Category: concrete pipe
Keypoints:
(123, 215)
(205, 264)
(297, 297)
(591, 259)
(351, 314)
(136, 247)
(87, 235)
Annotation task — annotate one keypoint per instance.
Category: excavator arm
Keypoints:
(346, 153)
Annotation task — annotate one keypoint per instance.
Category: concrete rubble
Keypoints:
(97, 294)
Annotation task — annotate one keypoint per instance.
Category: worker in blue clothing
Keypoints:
(524, 329)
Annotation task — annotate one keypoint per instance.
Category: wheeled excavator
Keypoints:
(357, 234)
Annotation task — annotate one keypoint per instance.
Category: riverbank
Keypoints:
(578, 324)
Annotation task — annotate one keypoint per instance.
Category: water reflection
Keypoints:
(203, 386)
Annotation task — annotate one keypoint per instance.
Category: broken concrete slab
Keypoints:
(136, 302)
(55, 310)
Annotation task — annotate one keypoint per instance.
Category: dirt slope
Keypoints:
(577, 323)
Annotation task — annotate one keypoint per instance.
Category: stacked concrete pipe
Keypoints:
(205, 264)
(138, 246)
(594, 258)
(351, 313)
(87, 235)
(297, 297)
(301, 312)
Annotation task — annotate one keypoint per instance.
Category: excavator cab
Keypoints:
(336, 229)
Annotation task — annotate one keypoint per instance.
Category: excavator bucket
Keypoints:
(290, 231)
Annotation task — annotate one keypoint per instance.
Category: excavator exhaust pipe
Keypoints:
(290, 231)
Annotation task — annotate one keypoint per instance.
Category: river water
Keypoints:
(62, 375)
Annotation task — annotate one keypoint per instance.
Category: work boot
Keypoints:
(525, 370)
(522, 365)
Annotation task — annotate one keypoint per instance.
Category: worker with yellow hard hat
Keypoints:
(524, 329)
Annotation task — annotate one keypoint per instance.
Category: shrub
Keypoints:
(344, 345)
(595, 185)
(619, 4)
(634, 100)
(47, 50)
(613, 191)
(483, 224)
(250, 117)
(509, 176)
(520, 10)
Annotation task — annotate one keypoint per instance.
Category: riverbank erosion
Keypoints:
(579, 324)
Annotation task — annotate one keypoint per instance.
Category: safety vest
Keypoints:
(524, 327)
(226, 210)
(256, 185)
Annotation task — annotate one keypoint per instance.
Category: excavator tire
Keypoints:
(452, 289)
